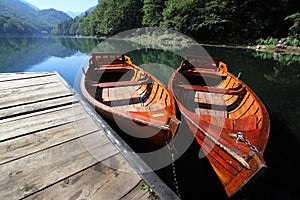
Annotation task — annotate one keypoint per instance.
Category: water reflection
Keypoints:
(44, 54)
(286, 68)
(84, 45)
(20, 53)
(160, 63)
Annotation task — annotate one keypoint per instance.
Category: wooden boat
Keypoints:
(130, 98)
(228, 119)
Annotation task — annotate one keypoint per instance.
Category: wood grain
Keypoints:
(52, 147)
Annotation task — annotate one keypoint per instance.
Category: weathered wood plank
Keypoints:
(26, 82)
(15, 91)
(30, 174)
(21, 125)
(52, 149)
(36, 106)
(139, 194)
(17, 96)
(98, 182)
(16, 76)
(29, 144)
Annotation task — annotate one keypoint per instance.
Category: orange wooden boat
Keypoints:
(130, 98)
(228, 119)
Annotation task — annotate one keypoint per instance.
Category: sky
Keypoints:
(64, 5)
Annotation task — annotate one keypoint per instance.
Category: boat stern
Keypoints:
(234, 182)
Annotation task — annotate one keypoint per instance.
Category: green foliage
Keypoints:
(204, 20)
(148, 188)
(19, 18)
(153, 12)
(290, 41)
(72, 27)
(11, 25)
(263, 55)
(119, 16)
(90, 22)
(109, 17)
(286, 71)
(294, 30)
(268, 41)
(213, 20)
(179, 16)
(81, 44)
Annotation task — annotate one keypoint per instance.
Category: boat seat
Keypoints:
(123, 83)
(111, 65)
(123, 102)
(231, 91)
(203, 72)
(121, 68)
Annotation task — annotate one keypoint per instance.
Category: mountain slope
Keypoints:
(73, 14)
(80, 14)
(29, 4)
(17, 17)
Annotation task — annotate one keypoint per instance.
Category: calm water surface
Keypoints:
(274, 78)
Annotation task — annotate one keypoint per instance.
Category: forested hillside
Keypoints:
(17, 17)
(205, 20)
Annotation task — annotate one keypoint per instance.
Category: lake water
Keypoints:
(274, 78)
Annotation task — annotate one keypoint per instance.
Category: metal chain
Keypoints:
(173, 152)
(240, 137)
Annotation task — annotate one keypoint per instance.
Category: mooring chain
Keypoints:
(240, 137)
(173, 153)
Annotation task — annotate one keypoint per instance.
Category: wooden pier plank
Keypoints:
(32, 143)
(36, 106)
(25, 95)
(97, 182)
(138, 194)
(22, 125)
(23, 75)
(27, 82)
(54, 146)
(32, 173)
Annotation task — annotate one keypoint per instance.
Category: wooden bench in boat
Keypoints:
(114, 68)
(203, 72)
(233, 91)
(201, 62)
(123, 83)
(112, 65)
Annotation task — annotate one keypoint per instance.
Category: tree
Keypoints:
(294, 30)
(90, 22)
(213, 20)
(204, 20)
(153, 10)
(116, 16)
(13, 26)
(178, 15)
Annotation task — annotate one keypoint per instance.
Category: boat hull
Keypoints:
(227, 118)
(236, 175)
(131, 100)
(144, 137)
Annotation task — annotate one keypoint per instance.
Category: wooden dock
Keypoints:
(54, 146)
